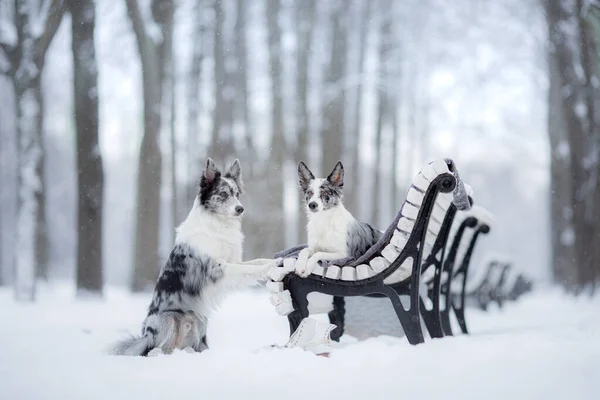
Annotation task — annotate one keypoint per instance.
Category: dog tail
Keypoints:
(134, 346)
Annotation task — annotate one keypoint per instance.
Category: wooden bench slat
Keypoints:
(333, 272)
(415, 197)
(379, 264)
(348, 273)
(410, 211)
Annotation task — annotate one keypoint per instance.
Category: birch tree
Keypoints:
(25, 41)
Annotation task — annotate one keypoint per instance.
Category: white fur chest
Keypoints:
(220, 238)
(328, 230)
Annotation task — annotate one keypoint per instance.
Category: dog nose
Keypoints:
(312, 205)
(239, 209)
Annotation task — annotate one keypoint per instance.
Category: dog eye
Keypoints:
(325, 198)
(224, 194)
(309, 193)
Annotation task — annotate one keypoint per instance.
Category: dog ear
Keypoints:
(336, 177)
(210, 173)
(235, 173)
(304, 176)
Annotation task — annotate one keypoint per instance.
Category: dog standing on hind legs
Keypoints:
(204, 265)
(333, 233)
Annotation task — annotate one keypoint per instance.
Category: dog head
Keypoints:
(321, 194)
(220, 194)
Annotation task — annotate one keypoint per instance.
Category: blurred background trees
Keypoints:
(157, 86)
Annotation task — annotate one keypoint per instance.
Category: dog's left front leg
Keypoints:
(258, 271)
(260, 261)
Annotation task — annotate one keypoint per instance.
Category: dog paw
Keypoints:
(304, 271)
(156, 352)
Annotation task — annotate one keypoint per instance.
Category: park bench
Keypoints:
(416, 239)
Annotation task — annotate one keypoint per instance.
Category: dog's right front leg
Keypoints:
(301, 262)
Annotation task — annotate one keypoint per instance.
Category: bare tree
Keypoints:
(25, 48)
(279, 148)
(561, 208)
(333, 107)
(575, 51)
(222, 145)
(153, 32)
(90, 176)
(193, 98)
(306, 19)
(386, 105)
(362, 16)
(242, 110)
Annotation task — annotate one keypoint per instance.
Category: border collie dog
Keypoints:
(333, 233)
(205, 264)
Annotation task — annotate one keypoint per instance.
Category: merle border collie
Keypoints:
(333, 233)
(204, 265)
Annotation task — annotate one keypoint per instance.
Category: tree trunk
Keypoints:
(352, 197)
(306, 17)
(42, 241)
(193, 103)
(561, 208)
(26, 65)
(574, 48)
(333, 108)
(278, 143)
(222, 140)
(146, 263)
(90, 175)
(242, 112)
(384, 108)
(30, 156)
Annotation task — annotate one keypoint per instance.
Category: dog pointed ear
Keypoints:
(304, 176)
(210, 173)
(235, 173)
(336, 177)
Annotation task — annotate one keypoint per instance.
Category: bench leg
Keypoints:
(409, 319)
(337, 317)
(445, 318)
(299, 301)
(458, 305)
(432, 319)
(445, 312)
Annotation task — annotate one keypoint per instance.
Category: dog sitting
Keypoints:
(333, 233)
(204, 265)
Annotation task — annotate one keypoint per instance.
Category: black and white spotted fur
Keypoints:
(333, 233)
(204, 265)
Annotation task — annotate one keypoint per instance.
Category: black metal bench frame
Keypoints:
(451, 301)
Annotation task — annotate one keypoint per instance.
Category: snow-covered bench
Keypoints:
(468, 226)
(519, 286)
(393, 265)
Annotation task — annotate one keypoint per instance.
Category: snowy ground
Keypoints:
(546, 346)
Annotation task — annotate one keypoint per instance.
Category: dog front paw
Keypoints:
(302, 264)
